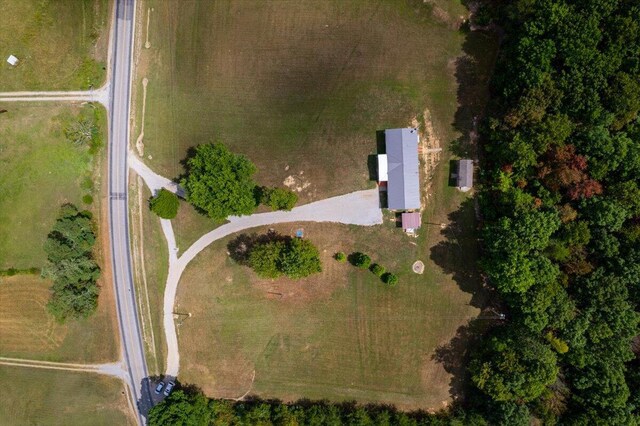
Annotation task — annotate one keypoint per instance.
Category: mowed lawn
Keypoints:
(28, 331)
(45, 397)
(61, 44)
(300, 87)
(339, 335)
(39, 171)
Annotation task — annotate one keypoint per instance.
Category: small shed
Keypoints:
(410, 221)
(383, 168)
(464, 177)
(12, 60)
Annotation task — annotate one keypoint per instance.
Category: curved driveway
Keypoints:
(357, 208)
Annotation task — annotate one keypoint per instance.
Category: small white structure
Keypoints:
(12, 60)
(383, 168)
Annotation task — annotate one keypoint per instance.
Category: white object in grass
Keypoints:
(12, 60)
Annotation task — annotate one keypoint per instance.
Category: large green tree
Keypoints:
(219, 182)
(512, 366)
(71, 265)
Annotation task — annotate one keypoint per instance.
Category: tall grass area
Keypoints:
(46, 397)
(61, 44)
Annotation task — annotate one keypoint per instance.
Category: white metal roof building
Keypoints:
(464, 176)
(403, 187)
(383, 170)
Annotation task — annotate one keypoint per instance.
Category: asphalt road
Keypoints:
(131, 337)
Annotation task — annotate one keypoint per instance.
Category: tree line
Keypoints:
(193, 408)
(561, 203)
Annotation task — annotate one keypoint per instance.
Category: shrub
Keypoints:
(360, 260)
(390, 279)
(300, 259)
(87, 199)
(294, 258)
(165, 204)
(340, 257)
(264, 258)
(377, 269)
(277, 198)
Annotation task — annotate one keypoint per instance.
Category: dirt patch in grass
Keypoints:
(62, 398)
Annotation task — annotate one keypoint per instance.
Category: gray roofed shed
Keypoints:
(403, 187)
(465, 175)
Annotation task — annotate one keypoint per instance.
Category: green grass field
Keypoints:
(301, 87)
(340, 335)
(150, 247)
(61, 44)
(39, 171)
(45, 397)
(302, 92)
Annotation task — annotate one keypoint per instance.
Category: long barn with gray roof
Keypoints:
(403, 169)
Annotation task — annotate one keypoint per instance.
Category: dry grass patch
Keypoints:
(28, 331)
(47, 397)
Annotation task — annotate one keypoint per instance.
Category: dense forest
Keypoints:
(560, 199)
(561, 167)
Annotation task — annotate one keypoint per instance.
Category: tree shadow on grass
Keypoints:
(473, 71)
(457, 253)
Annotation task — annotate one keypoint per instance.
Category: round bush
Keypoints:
(360, 260)
(87, 199)
(390, 279)
(377, 269)
(340, 257)
(165, 204)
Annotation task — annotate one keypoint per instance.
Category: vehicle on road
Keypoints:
(169, 388)
(159, 388)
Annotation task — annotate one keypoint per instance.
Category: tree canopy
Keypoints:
(560, 203)
(294, 258)
(71, 266)
(219, 182)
